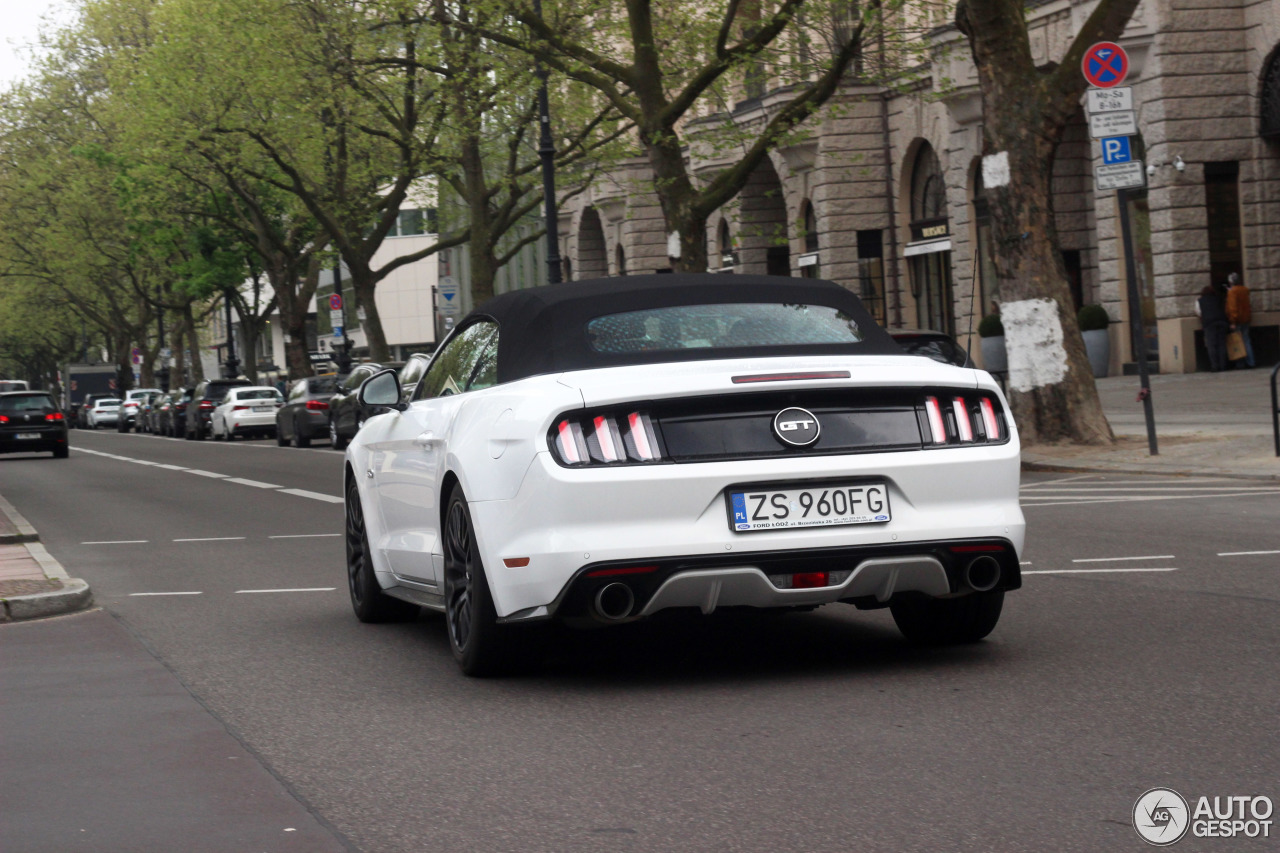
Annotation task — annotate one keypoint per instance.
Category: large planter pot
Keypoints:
(994, 359)
(1097, 343)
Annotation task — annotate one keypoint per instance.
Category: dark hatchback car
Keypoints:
(31, 421)
(305, 413)
(935, 345)
(204, 399)
(345, 413)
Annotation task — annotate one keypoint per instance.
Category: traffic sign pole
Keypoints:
(1137, 328)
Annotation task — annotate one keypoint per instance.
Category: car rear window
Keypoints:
(27, 403)
(324, 385)
(258, 394)
(724, 326)
(107, 404)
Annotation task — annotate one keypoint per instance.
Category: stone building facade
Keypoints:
(885, 195)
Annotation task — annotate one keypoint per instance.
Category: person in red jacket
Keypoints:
(1240, 314)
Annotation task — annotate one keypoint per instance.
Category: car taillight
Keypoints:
(605, 439)
(239, 408)
(53, 416)
(317, 405)
(963, 419)
(4, 419)
(207, 404)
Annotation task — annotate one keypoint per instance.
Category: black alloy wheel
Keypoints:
(947, 621)
(301, 438)
(367, 598)
(477, 640)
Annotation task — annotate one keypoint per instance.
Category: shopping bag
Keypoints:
(1235, 346)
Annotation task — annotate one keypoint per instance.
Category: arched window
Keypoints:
(928, 192)
(1270, 111)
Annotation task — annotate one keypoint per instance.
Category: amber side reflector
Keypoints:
(515, 562)
(787, 377)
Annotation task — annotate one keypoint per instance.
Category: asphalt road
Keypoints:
(1142, 651)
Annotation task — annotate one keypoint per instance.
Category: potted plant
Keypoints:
(1094, 320)
(991, 330)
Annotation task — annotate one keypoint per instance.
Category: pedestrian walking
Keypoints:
(1213, 319)
(1240, 315)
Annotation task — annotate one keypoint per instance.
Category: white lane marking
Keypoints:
(305, 589)
(257, 484)
(315, 496)
(303, 535)
(1061, 480)
(1137, 498)
(170, 467)
(1025, 563)
(213, 539)
(1230, 553)
(140, 594)
(200, 473)
(1093, 571)
(1121, 559)
(118, 542)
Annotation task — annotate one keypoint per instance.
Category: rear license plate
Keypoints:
(811, 506)
(262, 408)
(23, 435)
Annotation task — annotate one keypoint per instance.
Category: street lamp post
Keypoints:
(547, 150)
(232, 367)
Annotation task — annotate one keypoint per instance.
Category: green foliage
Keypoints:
(990, 326)
(1093, 318)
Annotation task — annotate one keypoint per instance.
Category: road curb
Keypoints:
(1055, 466)
(73, 596)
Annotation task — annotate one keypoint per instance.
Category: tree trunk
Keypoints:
(178, 376)
(196, 374)
(364, 283)
(676, 194)
(250, 332)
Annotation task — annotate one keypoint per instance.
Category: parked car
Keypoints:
(305, 414)
(104, 411)
(7, 385)
(250, 410)
(31, 421)
(606, 450)
(345, 413)
(82, 415)
(415, 366)
(142, 423)
(204, 399)
(129, 407)
(938, 346)
(173, 421)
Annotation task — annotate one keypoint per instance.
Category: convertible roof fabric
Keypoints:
(543, 329)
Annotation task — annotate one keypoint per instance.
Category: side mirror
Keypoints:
(381, 390)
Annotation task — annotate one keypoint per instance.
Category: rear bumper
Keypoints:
(568, 521)
(50, 439)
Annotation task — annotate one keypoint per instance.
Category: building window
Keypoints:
(929, 252)
(414, 223)
(621, 255)
(728, 251)
(809, 267)
(871, 274)
(1270, 105)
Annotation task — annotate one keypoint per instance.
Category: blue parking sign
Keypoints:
(1115, 149)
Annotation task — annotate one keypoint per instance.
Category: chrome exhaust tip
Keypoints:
(614, 601)
(982, 574)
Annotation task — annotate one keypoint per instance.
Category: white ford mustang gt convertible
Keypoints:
(603, 450)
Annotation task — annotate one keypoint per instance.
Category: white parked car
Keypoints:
(103, 412)
(606, 450)
(128, 418)
(246, 410)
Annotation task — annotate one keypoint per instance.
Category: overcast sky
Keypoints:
(19, 24)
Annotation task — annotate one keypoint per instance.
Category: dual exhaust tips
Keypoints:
(614, 602)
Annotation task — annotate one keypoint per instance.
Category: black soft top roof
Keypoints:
(543, 329)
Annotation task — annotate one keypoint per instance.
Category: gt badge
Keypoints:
(797, 427)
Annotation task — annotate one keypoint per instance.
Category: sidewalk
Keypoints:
(32, 583)
(1207, 424)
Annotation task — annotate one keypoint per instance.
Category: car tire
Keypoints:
(281, 440)
(335, 439)
(301, 438)
(947, 621)
(61, 452)
(368, 600)
(478, 642)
